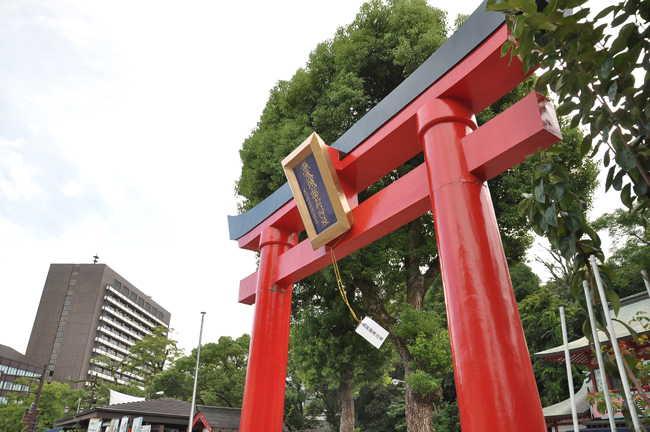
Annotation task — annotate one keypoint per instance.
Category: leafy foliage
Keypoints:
(222, 373)
(541, 322)
(149, 356)
(343, 79)
(54, 398)
(324, 347)
(593, 74)
(631, 248)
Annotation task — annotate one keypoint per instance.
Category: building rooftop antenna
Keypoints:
(96, 258)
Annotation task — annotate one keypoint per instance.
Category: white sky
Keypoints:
(120, 125)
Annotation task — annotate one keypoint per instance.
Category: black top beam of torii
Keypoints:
(476, 29)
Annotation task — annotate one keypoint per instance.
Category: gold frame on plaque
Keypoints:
(315, 145)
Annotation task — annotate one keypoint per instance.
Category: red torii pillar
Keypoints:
(267, 361)
(490, 356)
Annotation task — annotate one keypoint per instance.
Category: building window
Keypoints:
(140, 301)
(61, 329)
(71, 288)
(147, 307)
(154, 311)
(134, 296)
(68, 297)
(125, 290)
(64, 317)
(57, 340)
(53, 361)
(55, 351)
(66, 307)
(161, 315)
(117, 284)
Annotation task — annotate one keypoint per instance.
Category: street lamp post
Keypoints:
(196, 375)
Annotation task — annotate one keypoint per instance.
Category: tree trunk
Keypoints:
(418, 410)
(418, 413)
(346, 400)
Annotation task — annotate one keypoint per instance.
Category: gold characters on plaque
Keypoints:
(317, 214)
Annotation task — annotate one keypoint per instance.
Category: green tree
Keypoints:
(343, 79)
(631, 249)
(380, 407)
(593, 74)
(297, 416)
(524, 281)
(54, 398)
(222, 373)
(150, 355)
(325, 347)
(541, 322)
(97, 391)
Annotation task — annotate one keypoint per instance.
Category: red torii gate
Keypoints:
(494, 379)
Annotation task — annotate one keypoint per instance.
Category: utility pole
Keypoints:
(196, 375)
(34, 412)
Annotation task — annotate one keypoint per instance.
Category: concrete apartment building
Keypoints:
(87, 310)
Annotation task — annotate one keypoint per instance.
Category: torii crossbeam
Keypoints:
(432, 111)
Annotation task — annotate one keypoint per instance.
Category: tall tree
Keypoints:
(325, 348)
(344, 78)
(150, 355)
(222, 373)
(631, 248)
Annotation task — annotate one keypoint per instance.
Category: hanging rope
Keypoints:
(339, 282)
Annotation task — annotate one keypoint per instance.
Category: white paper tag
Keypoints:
(372, 332)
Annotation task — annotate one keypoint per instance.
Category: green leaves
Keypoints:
(557, 191)
(592, 75)
(625, 159)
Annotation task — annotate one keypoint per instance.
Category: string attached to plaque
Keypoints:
(368, 329)
(338, 273)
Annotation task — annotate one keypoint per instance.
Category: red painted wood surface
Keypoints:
(519, 131)
(263, 404)
(506, 139)
(494, 377)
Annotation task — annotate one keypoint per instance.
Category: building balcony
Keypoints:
(108, 354)
(106, 377)
(118, 316)
(114, 332)
(155, 320)
(128, 315)
(124, 351)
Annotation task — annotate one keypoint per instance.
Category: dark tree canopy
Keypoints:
(344, 78)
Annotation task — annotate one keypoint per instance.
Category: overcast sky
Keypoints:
(120, 125)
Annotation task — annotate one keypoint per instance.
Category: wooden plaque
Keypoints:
(317, 190)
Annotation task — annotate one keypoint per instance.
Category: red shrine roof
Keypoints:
(579, 349)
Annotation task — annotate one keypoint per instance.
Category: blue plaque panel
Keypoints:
(315, 194)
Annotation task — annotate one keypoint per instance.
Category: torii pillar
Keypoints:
(490, 356)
